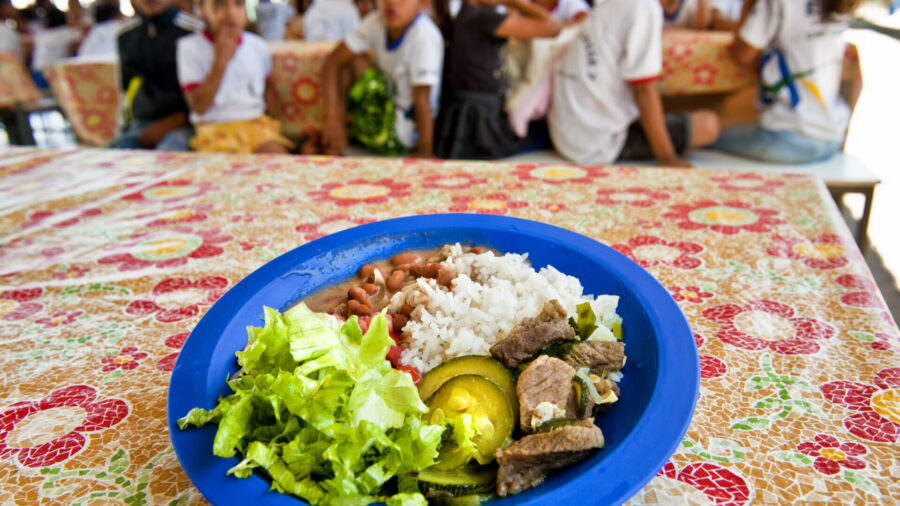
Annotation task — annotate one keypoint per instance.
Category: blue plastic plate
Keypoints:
(642, 430)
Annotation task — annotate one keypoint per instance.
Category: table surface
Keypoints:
(109, 258)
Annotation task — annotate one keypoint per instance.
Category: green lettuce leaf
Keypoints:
(319, 409)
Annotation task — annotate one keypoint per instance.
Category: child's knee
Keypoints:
(705, 127)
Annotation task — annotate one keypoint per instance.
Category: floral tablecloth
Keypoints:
(109, 258)
(16, 84)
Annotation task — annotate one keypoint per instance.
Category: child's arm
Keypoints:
(154, 133)
(702, 18)
(654, 124)
(743, 53)
(271, 97)
(424, 121)
(334, 134)
(720, 22)
(201, 98)
(534, 21)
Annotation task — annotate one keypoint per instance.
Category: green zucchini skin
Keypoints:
(463, 481)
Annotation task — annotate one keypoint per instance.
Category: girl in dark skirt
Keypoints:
(472, 122)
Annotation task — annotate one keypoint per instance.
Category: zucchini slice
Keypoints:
(481, 398)
(582, 396)
(555, 423)
(462, 481)
(471, 364)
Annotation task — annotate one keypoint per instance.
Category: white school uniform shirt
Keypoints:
(241, 94)
(9, 41)
(101, 39)
(416, 58)
(730, 9)
(593, 104)
(567, 10)
(272, 18)
(330, 20)
(685, 16)
(800, 71)
(52, 45)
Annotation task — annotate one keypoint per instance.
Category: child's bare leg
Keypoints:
(271, 147)
(704, 128)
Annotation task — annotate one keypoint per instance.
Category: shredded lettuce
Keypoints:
(319, 408)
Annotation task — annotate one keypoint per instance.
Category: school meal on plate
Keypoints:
(440, 376)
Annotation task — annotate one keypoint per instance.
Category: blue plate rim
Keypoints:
(659, 304)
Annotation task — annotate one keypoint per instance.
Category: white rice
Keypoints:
(489, 296)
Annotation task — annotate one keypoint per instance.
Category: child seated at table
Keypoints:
(725, 14)
(472, 122)
(223, 72)
(409, 52)
(605, 102)
(798, 48)
(566, 12)
(155, 111)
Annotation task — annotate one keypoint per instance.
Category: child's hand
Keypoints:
(334, 138)
(225, 45)
(674, 161)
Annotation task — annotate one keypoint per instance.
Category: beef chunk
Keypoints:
(531, 335)
(525, 463)
(546, 379)
(599, 356)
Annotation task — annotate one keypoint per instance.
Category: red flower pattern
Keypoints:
(826, 251)
(728, 217)
(329, 225)
(494, 203)
(167, 249)
(175, 341)
(747, 182)
(635, 197)
(252, 244)
(177, 298)
(72, 272)
(800, 334)
(553, 207)
(710, 367)
(831, 454)
(361, 191)
(458, 181)
(127, 359)
(719, 484)
(866, 295)
(98, 415)
(877, 406)
(60, 318)
(559, 174)
(181, 214)
(19, 304)
(705, 73)
(649, 250)
(689, 293)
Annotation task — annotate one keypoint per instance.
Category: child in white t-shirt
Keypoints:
(409, 52)
(330, 20)
(798, 48)
(566, 12)
(605, 103)
(685, 14)
(223, 74)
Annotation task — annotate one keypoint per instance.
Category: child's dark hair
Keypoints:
(832, 9)
(105, 12)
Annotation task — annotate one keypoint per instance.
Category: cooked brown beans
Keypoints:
(366, 271)
(364, 310)
(353, 307)
(358, 294)
(405, 258)
(406, 309)
(403, 267)
(444, 277)
(400, 321)
(370, 288)
(395, 282)
(478, 250)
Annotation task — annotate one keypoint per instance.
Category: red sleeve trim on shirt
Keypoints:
(643, 80)
(189, 86)
(579, 15)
